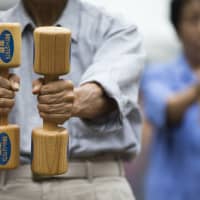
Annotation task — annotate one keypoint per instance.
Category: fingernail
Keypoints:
(36, 88)
(16, 86)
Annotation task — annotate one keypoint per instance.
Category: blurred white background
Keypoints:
(152, 18)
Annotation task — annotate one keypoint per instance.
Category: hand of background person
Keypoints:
(197, 89)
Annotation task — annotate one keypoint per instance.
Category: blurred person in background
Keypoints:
(171, 101)
(105, 123)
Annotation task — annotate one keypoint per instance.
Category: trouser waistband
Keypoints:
(77, 169)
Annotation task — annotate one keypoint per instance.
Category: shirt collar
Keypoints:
(70, 17)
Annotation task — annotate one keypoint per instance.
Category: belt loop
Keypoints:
(89, 171)
(121, 168)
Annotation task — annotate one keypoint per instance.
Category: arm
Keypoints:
(178, 103)
(116, 68)
(108, 89)
(162, 105)
(91, 102)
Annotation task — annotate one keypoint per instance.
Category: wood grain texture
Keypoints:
(10, 57)
(52, 58)
(52, 50)
(49, 151)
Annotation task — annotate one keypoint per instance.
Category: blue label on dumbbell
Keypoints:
(5, 148)
(6, 46)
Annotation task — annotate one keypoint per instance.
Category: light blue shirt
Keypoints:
(174, 170)
(106, 50)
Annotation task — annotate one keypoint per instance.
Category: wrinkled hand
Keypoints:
(8, 87)
(55, 100)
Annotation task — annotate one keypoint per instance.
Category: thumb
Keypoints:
(14, 81)
(37, 84)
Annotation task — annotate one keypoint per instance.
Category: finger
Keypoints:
(15, 82)
(37, 85)
(64, 96)
(55, 118)
(5, 83)
(53, 98)
(56, 86)
(4, 93)
(55, 108)
(6, 103)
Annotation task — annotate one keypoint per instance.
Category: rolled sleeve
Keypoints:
(155, 94)
(113, 121)
(117, 66)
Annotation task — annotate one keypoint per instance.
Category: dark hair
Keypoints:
(176, 11)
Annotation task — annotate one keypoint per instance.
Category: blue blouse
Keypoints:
(174, 171)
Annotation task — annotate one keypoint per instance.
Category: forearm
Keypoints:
(178, 104)
(91, 102)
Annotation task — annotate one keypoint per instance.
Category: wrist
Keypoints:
(85, 97)
(76, 104)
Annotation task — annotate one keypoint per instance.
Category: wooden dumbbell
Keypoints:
(52, 58)
(10, 57)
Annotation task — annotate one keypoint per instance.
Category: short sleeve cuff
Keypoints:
(156, 109)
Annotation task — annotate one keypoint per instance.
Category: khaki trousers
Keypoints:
(87, 180)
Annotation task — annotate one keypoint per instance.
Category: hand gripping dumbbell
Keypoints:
(10, 57)
(52, 58)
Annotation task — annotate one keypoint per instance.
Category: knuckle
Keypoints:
(7, 102)
(46, 87)
(43, 115)
(69, 84)
(43, 107)
(41, 99)
(43, 89)
(2, 102)
(46, 107)
(68, 107)
(15, 77)
(70, 97)
(51, 109)
(2, 93)
(18, 78)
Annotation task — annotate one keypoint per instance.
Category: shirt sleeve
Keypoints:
(155, 91)
(117, 65)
